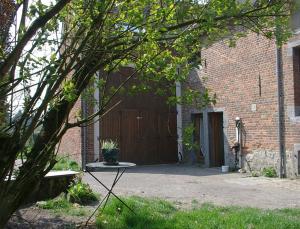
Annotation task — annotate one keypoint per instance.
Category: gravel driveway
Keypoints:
(185, 184)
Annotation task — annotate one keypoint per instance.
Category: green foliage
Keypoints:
(109, 145)
(153, 214)
(65, 163)
(269, 172)
(69, 91)
(188, 138)
(50, 70)
(62, 206)
(57, 203)
(81, 193)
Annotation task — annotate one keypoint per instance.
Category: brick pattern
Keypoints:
(71, 141)
(242, 78)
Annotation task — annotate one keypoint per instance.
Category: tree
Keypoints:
(97, 37)
(7, 12)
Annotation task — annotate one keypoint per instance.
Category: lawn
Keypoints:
(156, 214)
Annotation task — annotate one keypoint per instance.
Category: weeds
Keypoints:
(269, 172)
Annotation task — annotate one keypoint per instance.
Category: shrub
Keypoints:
(65, 163)
(81, 193)
(269, 172)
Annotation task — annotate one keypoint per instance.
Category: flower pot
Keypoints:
(110, 156)
(225, 169)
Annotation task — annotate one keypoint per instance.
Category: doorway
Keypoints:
(216, 139)
(199, 137)
(143, 125)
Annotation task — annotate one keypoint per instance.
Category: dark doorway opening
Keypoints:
(296, 67)
(298, 162)
(198, 137)
(216, 139)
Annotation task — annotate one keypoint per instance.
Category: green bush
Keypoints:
(65, 163)
(269, 172)
(81, 193)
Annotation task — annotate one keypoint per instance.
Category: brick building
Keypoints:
(144, 127)
(244, 80)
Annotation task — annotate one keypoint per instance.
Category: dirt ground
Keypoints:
(33, 217)
(185, 184)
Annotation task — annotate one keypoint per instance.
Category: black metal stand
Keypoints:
(105, 199)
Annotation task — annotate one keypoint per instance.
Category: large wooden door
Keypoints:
(216, 139)
(144, 126)
(144, 136)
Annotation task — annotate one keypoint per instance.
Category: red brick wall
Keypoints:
(233, 74)
(71, 141)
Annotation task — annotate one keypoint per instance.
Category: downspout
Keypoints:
(179, 123)
(83, 136)
(281, 124)
(238, 140)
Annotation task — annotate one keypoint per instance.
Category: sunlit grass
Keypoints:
(61, 206)
(153, 214)
(65, 163)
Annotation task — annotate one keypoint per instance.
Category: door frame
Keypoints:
(199, 136)
(206, 150)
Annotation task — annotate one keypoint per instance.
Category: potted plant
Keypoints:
(110, 152)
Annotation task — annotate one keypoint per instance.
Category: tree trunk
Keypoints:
(14, 196)
(42, 153)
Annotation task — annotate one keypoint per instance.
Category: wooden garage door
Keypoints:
(144, 136)
(143, 124)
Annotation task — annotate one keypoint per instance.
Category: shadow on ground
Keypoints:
(172, 169)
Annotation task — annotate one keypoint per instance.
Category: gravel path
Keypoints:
(185, 184)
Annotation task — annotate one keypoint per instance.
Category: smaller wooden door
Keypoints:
(216, 139)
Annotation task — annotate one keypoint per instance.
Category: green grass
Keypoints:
(65, 163)
(61, 206)
(153, 214)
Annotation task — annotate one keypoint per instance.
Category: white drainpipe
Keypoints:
(179, 123)
(96, 124)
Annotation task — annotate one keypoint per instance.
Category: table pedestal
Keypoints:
(120, 171)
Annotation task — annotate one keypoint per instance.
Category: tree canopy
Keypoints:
(59, 48)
